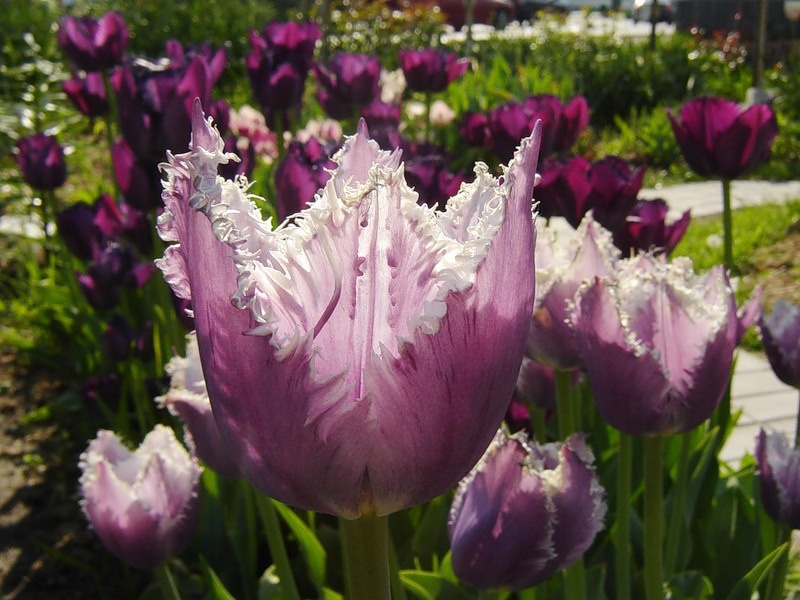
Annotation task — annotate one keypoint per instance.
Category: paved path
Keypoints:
(762, 398)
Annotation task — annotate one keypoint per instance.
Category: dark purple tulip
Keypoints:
(475, 130)
(99, 293)
(574, 119)
(427, 173)
(41, 161)
(247, 159)
(778, 464)
(564, 189)
(278, 65)
(91, 44)
(657, 343)
(88, 94)
(614, 188)
(301, 174)
(379, 114)
(525, 512)
(509, 123)
(180, 58)
(153, 101)
(721, 139)
(119, 220)
(646, 229)
(117, 339)
(431, 70)
(102, 391)
(139, 180)
(347, 83)
(77, 230)
(780, 333)
(536, 384)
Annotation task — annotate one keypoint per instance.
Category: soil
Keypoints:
(46, 547)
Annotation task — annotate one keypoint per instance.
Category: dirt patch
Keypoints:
(777, 269)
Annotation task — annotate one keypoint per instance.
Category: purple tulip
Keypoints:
(77, 230)
(574, 119)
(301, 174)
(564, 189)
(525, 512)
(721, 139)
(657, 343)
(536, 385)
(563, 264)
(379, 114)
(142, 504)
(278, 65)
(88, 94)
(349, 392)
(646, 229)
(246, 158)
(427, 174)
(139, 180)
(92, 44)
(117, 338)
(614, 188)
(155, 102)
(778, 465)
(780, 333)
(476, 131)
(41, 161)
(347, 83)
(102, 391)
(187, 399)
(115, 221)
(431, 70)
(508, 124)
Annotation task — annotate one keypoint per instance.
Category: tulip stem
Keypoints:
(169, 590)
(727, 224)
(277, 548)
(797, 426)
(575, 581)
(677, 511)
(564, 408)
(623, 542)
(777, 576)
(366, 551)
(653, 517)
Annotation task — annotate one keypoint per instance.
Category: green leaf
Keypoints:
(690, 585)
(216, 588)
(426, 585)
(745, 589)
(313, 551)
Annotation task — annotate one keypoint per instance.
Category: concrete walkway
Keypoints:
(762, 398)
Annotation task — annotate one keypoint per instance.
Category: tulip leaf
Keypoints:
(216, 589)
(690, 585)
(431, 586)
(313, 551)
(745, 589)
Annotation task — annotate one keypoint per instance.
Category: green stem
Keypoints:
(575, 581)
(366, 551)
(777, 577)
(428, 104)
(677, 515)
(623, 541)
(727, 224)
(169, 591)
(489, 594)
(653, 517)
(538, 423)
(277, 548)
(564, 408)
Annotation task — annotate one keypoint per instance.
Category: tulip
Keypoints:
(646, 230)
(431, 70)
(657, 343)
(278, 65)
(94, 44)
(564, 190)
(88, 94)
(778, 465)
(349, 390)
(427, 173)
(563, 263)
(301, 174)
(142, 504)
(524, 512)
(347, 83)
(475, 130)
(187, 399)
(138, 179)
(76, 228)
(536, 385)
(721, 139)
(780, 333)
(614, 188)
(41, 161)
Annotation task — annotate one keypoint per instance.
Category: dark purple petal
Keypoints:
(780, 333)
(41, 161)
(88, 94)
(94, 45)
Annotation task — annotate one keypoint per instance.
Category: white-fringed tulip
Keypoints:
(359, 357)
(141, 503)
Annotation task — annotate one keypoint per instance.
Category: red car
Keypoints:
(491, 12)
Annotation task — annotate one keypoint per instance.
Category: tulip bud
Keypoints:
(524, 512)
(41, 161)
(94, 44)
(778, 465)
(780, 333)
(142, 504)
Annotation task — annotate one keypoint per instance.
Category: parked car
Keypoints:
(570, 5)
(490, 12)
(528, 9)
(643, 10)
